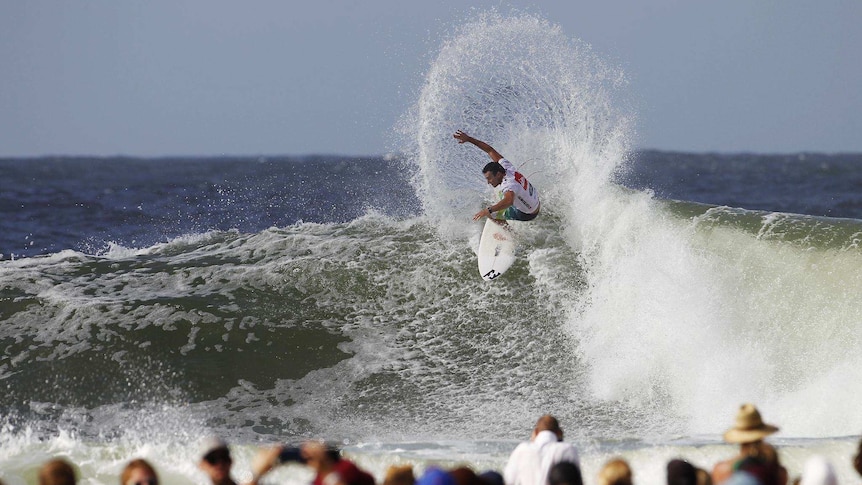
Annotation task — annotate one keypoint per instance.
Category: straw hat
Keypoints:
(749, 427)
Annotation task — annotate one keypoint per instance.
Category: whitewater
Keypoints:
(642, 323)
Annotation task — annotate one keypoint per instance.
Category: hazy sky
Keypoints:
(210, 77)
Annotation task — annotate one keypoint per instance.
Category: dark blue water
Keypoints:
(813, 184)
(85, 204)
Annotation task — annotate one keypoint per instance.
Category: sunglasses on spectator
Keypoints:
(147, 481)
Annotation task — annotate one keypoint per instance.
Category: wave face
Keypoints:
(342, 330)
(631, 318)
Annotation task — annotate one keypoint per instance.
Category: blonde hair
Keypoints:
(134, 465)
(615, 472)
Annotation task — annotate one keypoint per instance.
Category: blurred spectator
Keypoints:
(565, 473)
(755, 457)
(531, 461)
(139, 472)
(326, 461)
(615, 472)
(57, 472)
(399, 475)
(818, 471)
(215, 461)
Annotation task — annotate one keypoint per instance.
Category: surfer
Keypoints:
(520, 201)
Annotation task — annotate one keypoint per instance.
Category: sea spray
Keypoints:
(520, 84)
(547, 103)
(673, 329)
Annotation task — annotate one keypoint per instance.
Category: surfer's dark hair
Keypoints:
(493, 167)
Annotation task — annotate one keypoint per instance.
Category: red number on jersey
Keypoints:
(522, 180)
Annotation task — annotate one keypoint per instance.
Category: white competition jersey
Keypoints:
(526, 196)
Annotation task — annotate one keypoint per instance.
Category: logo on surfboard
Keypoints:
(491, 274)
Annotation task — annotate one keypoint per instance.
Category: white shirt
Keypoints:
(530, 463)
(526, 196)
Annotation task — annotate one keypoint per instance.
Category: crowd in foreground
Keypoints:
(546, 459)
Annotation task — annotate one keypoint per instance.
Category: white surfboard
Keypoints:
(496, 250)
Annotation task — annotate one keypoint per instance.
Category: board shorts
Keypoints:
(512, 214)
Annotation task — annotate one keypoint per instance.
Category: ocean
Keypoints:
(148, 303)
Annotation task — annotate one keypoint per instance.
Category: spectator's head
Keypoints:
(548, 423)
(680, 472)
(565, 473)
(615, 472)
(399, 475)
(215, 460)
(748, 427)
(435, 476)
(491, 477)
(465, 476)
(139, 472)
(818, 471)
(57, 472)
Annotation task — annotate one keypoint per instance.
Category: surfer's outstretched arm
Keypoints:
(463, 137)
